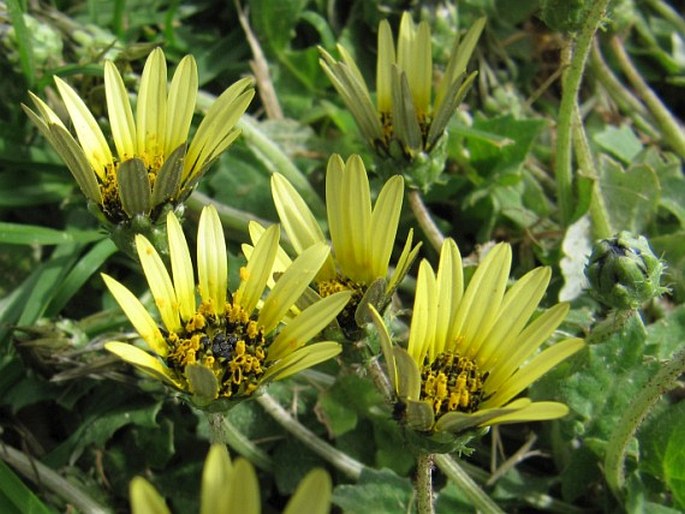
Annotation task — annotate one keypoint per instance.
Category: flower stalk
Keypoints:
(424, 484)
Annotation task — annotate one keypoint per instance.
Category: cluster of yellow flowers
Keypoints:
(471, 349)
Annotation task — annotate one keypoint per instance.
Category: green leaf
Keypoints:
(673, 250)
(663, 450)
(275, 21)
(341, 404)
(26, 59)
(377, 491)
(621, 142)
(630, 196)
(18, 234)
(26, 187)
(16, 496)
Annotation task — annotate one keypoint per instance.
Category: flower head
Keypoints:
(153, 166)
(404, 116)
(226, 346)
(470, 352)
(362, 235)
(232, 488)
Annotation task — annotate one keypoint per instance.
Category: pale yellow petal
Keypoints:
(533, 370)
(336, 207)
(517, 307)
(482, 299)
(385, 60)
(181, 267)
(258, 270)
(422, 330)
(386, 347)
(120, 113)
(137, 315)
(151, 116)
(145, 499)
(87, 129)
(537, 411)
(301, 359)
(143, 361)
(313, 494)
(243, 490)
(212, 261)
(160, 283)
(181, 104)
(405, 261)
(216, 474)
(291, 285)
(384, 220)
(526, 343)
(450, 286)
(307, 325)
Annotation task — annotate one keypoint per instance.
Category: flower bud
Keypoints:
(623, 271)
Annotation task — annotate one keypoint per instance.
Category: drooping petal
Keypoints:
(143, 361)
(405, 261)
(212, 261)
(536, 411)
(181, 268)
(181, 104)
(215, 475)
(307, 325)
(386, 347)
(459, 421)
(291, 285)
(87, 129)
(120, 113)
(137, 315)
(151, 109)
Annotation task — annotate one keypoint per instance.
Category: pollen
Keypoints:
(346, 318)
(452, 383)
(230, 345)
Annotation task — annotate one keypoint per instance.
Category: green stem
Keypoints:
(221, 430)
(586, 164)
(424, 484)
(571, 85)
(664, 380)
(668, 13)
(231, 218)
(423, 217)
(625, 100)
(465, 483)
(673, 133)
(341, 461)
(43, 476)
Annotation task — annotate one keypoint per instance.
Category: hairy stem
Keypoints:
(423, 217)
(424, 484)
(465, 483)
(341, 461)
(569, 98)
(224, 432)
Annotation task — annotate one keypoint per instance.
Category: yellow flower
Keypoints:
(470, 353)
(154, 165)
(404, 113)
(362, 236)
(232, 488)
(225, 347)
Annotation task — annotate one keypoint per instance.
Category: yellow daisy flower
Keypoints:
(154, 166)
(232, 488)
(404, 113)
(470, 353)
(362, 236)
(225, 347)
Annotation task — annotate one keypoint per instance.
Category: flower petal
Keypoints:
(450, 286)
(533, 370)
(384, 220)
(291, 285)
(422, 330)
(181, 267)
(384, 62)
(405, 261)
(307, 325)
(87, 129)
(145, 499)
(151, 116)
(181, 104)
(160, 283)
(304, 358)
(313, 494)
(143, 361)
(215, 475)
(536, 411)
(258, 270)
(137, 315)
(242, 490)
(120, 113)
(212, 262)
